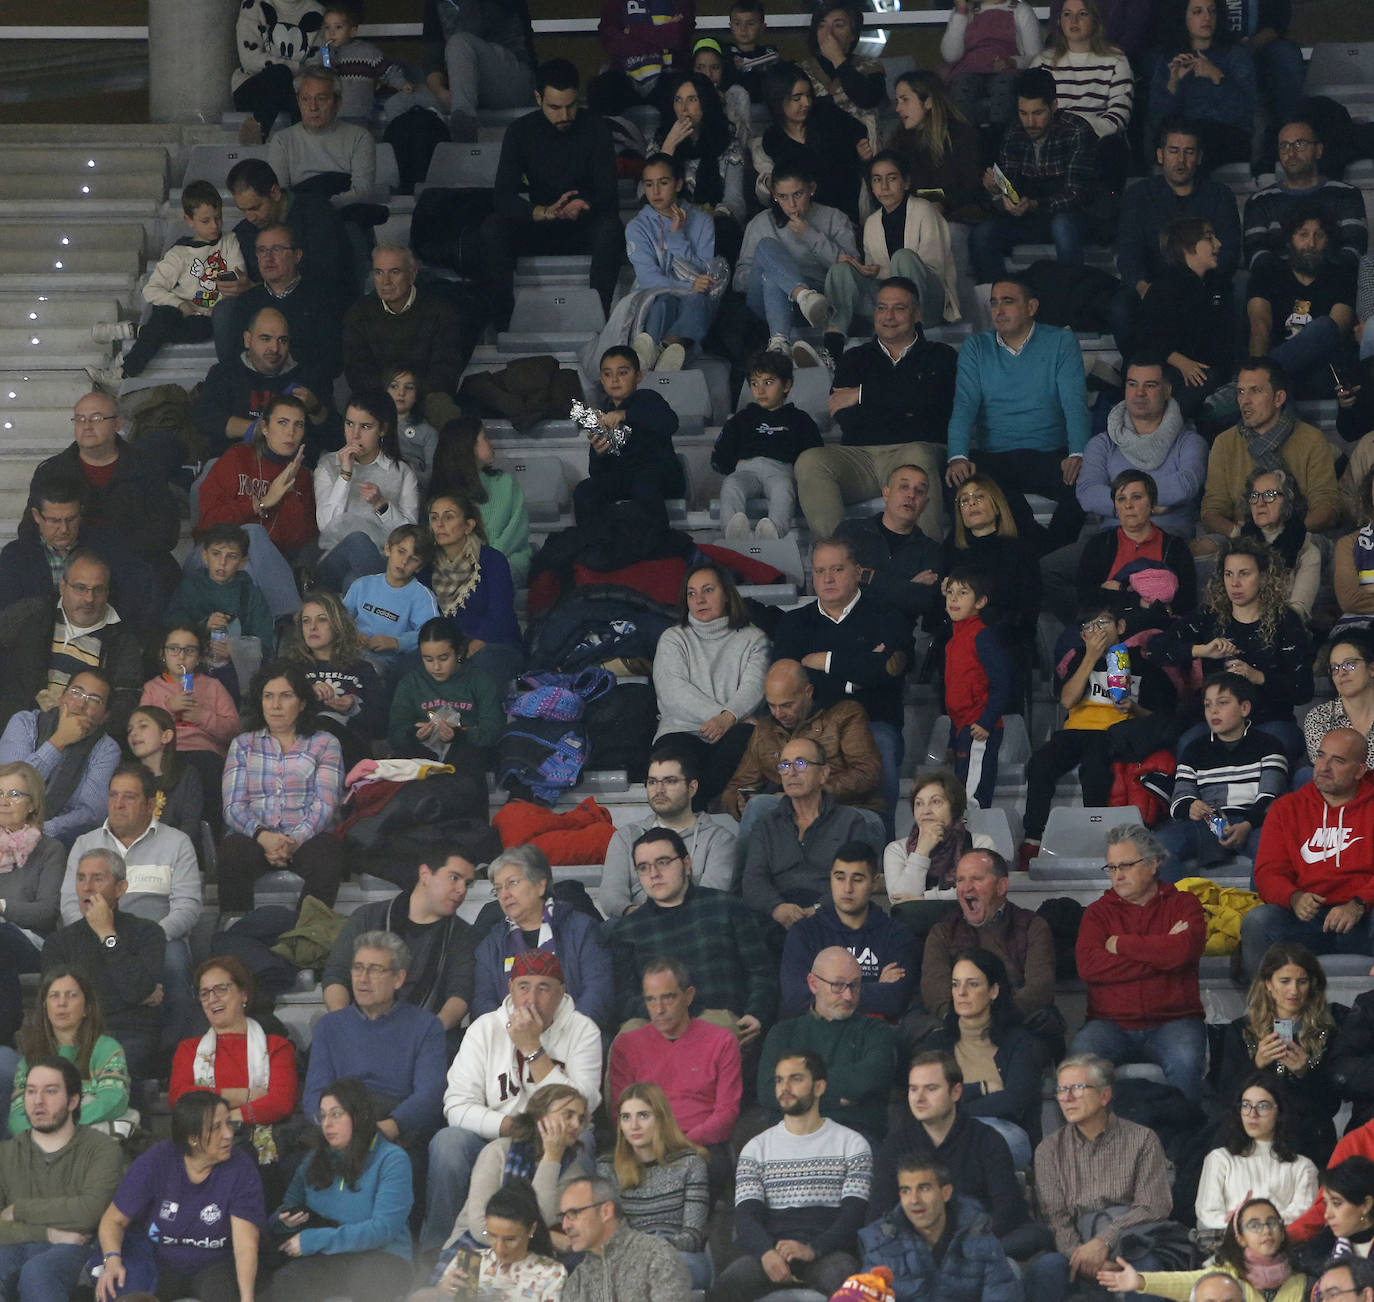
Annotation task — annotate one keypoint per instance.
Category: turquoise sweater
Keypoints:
(508, 522)
(372, 1216)
(1035, 400)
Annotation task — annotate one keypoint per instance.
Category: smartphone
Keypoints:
(228, 275)
(1283, 1028)
(1343, 389)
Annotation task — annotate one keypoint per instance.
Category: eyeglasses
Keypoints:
(841, 987)
(797, 765)
(182, 649)
(1076, 1090)
(1268, 1223)
(274, 250)
(659, 865)
(15, 795)
(219, 991)
(1110, 868)
(1295, 147)
(1327, 1294)
(1268, 495)
(1096, 625)
(87, 589)
(85, 698)
(573, 1213)
(87, 418)
(373, 970)
(1261, 1109)
(1347, 666)
(334, 1114)
(970, 499)
(653, 783)
(60, 521)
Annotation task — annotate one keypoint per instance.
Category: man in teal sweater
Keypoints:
(1020, 393)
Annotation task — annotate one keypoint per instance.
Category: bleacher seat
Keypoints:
(469, 166)
(213, 163)
(1074, 841)
(995, 823)
(544, 481)
(781, 553)
(550, 319)
(388, 169)
(685, 392)
(1336, 66)
(1012, 755)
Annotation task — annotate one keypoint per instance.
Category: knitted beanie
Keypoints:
(871, 1286)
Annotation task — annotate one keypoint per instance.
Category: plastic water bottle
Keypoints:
(325, 55)
(219, 646)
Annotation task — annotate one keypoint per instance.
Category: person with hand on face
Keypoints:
(708, 136)
(924, 866)
(616, 1261)
(839, 72)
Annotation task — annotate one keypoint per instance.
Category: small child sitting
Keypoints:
(1236, 772)
(389, 608)
(183, 288)
(750, 59)
(646, 470)
(360, 65)
(224, 596)
(984, 46)
(758, 447)
(1112, 716)
(418, 439)
(978, 685)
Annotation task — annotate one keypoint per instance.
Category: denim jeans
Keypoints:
(1179, 1048)
(1192, 847)
(774, 276)
(891, 750)
(688, 316)
(40, 1272)
(349, 559)
(1267, 924)
(992, 240)
(452, 1152)
(1314, 345)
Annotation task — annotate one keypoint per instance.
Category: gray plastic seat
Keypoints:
(470, 166)
(1075, 841)
(213, 163)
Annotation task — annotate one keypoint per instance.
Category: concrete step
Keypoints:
(94, 188)
(53, 281)
(20, 390)
(35, 427)
(81, 207)
(57, 309)
(53, 159)
(75, 260)
(75, 236)
(73, 340)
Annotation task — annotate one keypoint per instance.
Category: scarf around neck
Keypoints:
(1266, 1272)
(1266, 449)
(456, 580)
(1144, 451)
(944, 859)
(16, 846)
(515, 941)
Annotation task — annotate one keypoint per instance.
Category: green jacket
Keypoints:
(68, 1192)
(104, 1092)
(507, 522)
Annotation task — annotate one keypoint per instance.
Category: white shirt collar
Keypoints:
(843, 615)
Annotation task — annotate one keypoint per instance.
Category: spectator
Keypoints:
(320, 154)
(708, 677)
(544, 1146)
(670, 790)
(891, 398)
(66, 1022)
(643, 47)
(694, 1061)
(1355, 1143)
(356, 519)
(930, 1219)
(660, 1178)
(1257, 1152)
(841, 729)
(789, 851)
(1347, 1273)
(1348, 577)
(360, 1183)
(814, 140)
(757, 450)
(702, 138)
(180, 800)
(264, 486)
(710, 932)
(983, 48)
(473, 587)
(1279, 70)
(1350, 652)
(924, 866)
(939, 145)
(1232, 773)
(222, 595)
(479, 58)
(934, 1129)
(884, 949)
(418, 438)
(35, 865)
(402, 325)
(1049, 159)
(987, 537)
(1099, 1168)
(853, 646)
(390, 608)
(201, 1201)
(465, 463)
(1289, 986)
(69, 748)
(1300, 183)
(616, 1261)
(394, 1049)
(788, 253)
(750, 58)
(282, 784)
(862, 1049)
(1270, 502)
(898, 561)
(162, 876)
(1138, 952)
(119, 954)
(1347, 1195)
(535, 1038)
(1023, 383)
(1349, 1057)
(839, 72)
(565, 163)
(536, 922)
(1208, 76)
(521, 1258)
(906, 237)
(1302, 309)
(790, 1230)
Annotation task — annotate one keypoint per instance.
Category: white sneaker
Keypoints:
(671, 358)
(107, 379)
(804, 354)
(766, 529)
(814, 306)
(780, 344)
(107, 332)
(646, 350)
(738, 526)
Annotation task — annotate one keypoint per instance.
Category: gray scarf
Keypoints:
(1266, 450)
(1144, 451)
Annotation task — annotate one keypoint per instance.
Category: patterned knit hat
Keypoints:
(872, 1286)
(536, 962)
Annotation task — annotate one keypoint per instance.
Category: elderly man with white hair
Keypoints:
(316, 153)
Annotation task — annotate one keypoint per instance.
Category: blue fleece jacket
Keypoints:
(880, 941)
(371, 1216)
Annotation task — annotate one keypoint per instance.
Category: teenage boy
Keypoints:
(1236, 772)
(390, 608)
(758, 447)
(183, 288)
(751, 60)
(978, 678)
(223, 595)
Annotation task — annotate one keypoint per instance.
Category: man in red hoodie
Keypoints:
(1315, 867)
(1138, 950)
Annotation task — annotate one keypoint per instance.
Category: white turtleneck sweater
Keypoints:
(1226, 1179)
(706, 667)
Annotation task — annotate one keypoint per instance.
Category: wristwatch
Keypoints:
(535, 1056)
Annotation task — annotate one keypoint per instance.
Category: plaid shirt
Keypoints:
(295, 793)
(715, 935)
(1057, 171)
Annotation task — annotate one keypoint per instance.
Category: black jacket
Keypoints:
(888, 571)
(134, 589)
(906, 402)
(124, 973)
(326, 255)
(539, 163)
(312, 316)
(783, 434)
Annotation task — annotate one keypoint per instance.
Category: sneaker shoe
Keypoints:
(1223, 406)
(108, 332)
(738, 526)
(814, 306)
(646, 350)
(766, 529)
(805, 354)
(1029, 850)
(107, 379)
(780, 344)
(671, 358)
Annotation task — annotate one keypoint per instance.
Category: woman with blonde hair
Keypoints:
(941, 146)
(986, 538)
(661, 1176)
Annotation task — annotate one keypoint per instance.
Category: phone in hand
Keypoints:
(1283, 1028)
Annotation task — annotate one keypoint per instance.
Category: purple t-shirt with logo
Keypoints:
(189, 1223)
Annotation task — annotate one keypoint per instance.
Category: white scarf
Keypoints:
(204, 1072)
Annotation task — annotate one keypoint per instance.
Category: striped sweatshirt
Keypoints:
(670, 1202)
(1240, 779)
(1098, 88)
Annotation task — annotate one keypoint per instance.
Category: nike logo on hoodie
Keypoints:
(1326, 841)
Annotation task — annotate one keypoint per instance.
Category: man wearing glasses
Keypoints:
(617, 1262)
(670, 788)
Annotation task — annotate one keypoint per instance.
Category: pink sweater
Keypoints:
(699, 1072)
(219, 724)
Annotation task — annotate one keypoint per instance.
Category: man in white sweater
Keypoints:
(535, 1038)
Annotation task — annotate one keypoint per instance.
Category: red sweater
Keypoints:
(1358, 1143)
(1152, 977)
(1307, 845)
(243, 473)
(231, 1073)
(699, 1072)
(977, 676)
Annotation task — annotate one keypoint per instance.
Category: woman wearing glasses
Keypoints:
(1268, 507)
(1256, 1152)
(1351, 666)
